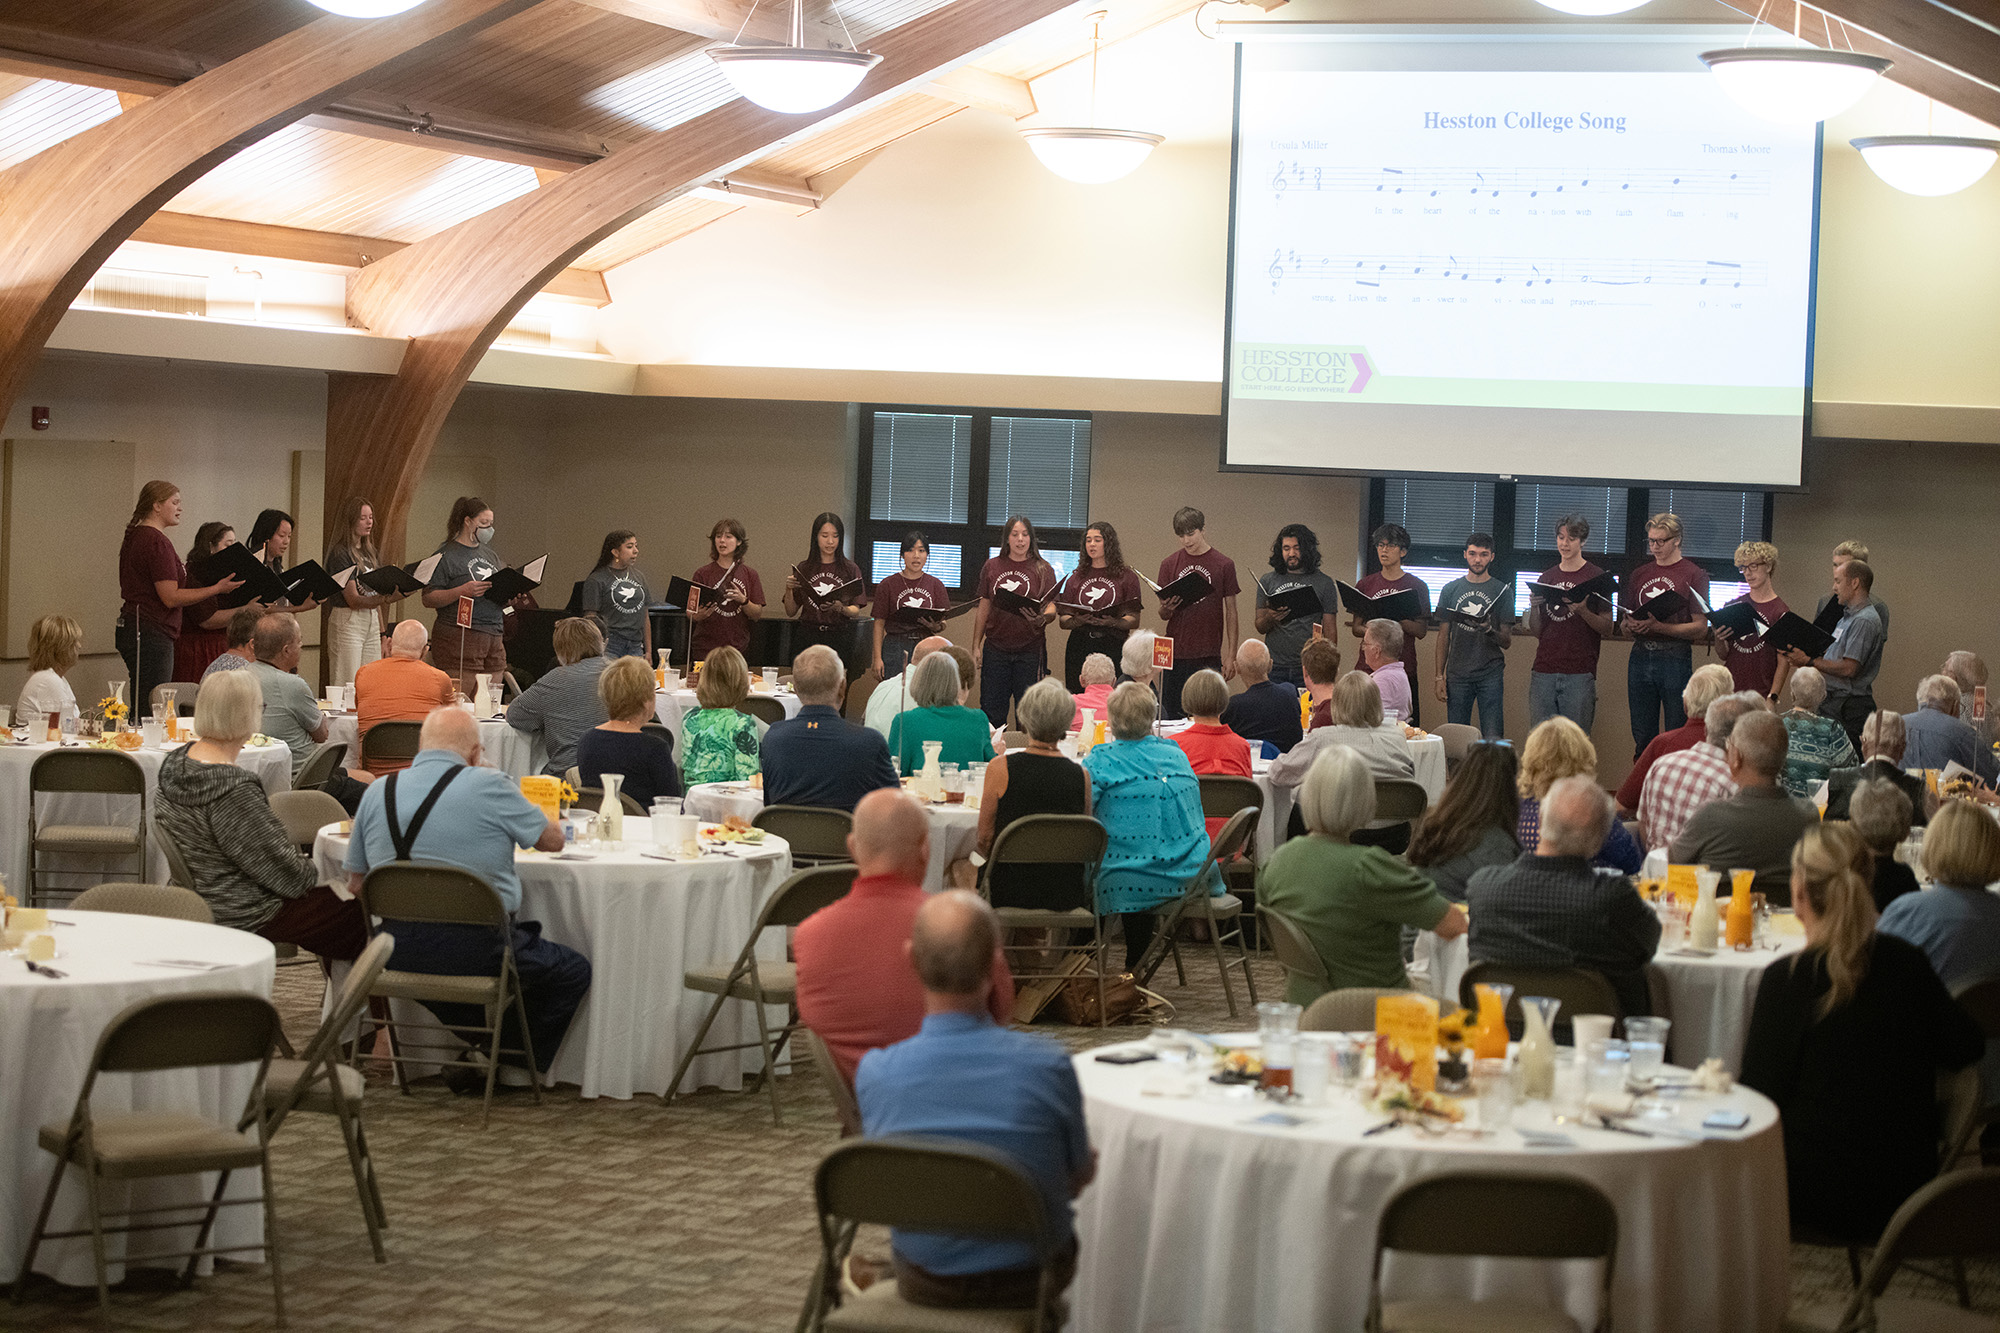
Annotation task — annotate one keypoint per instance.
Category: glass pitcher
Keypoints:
(1537, 1061)
(168, 711)
(1489, 1041)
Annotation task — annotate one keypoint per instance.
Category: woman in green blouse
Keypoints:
(718, 743)
(939, 716)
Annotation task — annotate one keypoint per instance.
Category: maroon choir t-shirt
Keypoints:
(1196, 628)
(1375, 585)
(147, 558)
(896, 591)
(1568, 646)
(1032, 579)
(823, 578)
(1652, 578)
(1753, 662)
(727, 628)
(1102, 591)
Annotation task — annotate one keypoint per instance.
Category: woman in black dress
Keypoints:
(1848, 1038)
(1035, 781)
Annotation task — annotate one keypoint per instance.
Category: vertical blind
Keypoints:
(1040, 467)
(1537, 510)
(1713, 523)
(1438, 511)
(922, 462)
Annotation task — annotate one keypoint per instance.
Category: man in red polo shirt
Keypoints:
(857, 988)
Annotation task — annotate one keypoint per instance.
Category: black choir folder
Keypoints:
(510, 582)
(915, 615)
(1009, 600)
(1300, 603)
(1669, 604)
(1501, 612)
(1406, 604)
(260, 584)
(835, 596)
(309, 582)
(399, 580)
(1603, 588)
(1740, 619)
(1193, 585)
(1795, 631)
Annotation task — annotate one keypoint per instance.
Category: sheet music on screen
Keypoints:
(1535, 254)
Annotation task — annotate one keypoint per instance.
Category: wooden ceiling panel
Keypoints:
(663, 225)
(214, 29)
(864, 134)
(37, 114)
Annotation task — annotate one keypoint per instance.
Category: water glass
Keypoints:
(152, 732)
(1673, 922)
(1566, 1098)
(665, 810)
(1605, 1070)
(770, 678)
(1646, 1039)
(1348, 1050)
(6, 717)
(954, 783)
(1278, 1027)
(1312, 1065)
(1493, 1085)
(687, 831)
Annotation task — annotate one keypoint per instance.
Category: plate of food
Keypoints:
(734, 829)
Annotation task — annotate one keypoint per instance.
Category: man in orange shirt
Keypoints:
(401, 687)
(856, 985)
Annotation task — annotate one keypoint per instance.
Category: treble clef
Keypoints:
(1277, 266)
(1278, 181)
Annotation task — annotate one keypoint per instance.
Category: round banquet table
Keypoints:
(1199, 1219)
(73, 873)
(671, 706)
(48, 1032)
(642, 923)
(954, 828)
(515, 753)
(1709, 997)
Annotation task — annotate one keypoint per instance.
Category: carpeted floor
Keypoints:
(575, 1215)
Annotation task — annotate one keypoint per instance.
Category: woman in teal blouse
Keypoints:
(938, 716)
(719, 744)
(1145, 793)
(1817, 745)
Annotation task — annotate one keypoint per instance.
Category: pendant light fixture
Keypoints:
(1089, 155)
(1928, 164)
(367, 9)
(1593, 8)
(793, 79)
(1795, 85)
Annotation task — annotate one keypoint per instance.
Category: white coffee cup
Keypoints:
(1590, 1027)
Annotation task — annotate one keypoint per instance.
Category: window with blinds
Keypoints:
(1039, 467)
(1537, 510)
(923, 460)
(1713, 523)
(1438, 511)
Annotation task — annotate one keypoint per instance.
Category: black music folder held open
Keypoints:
(1403, 604)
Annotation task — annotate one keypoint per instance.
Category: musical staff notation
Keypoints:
(1532, 182)
(1514, 270)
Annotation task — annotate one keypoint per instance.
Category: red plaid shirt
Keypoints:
(1677, 786)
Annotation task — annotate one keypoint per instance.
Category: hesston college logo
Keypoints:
(626, 594)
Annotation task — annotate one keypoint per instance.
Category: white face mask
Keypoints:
(484, 536)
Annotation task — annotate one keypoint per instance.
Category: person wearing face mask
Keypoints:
(733, 596)
(1568, 635)
(465, 569)
(354, 626)
(617, 592)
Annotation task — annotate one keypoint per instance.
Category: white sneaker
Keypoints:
(513, 1076)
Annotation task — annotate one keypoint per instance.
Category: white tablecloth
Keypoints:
(271, 763)
(954, 828)
(1709, 998)
(48, 1032)
(515, 753)
(670, 706)
(642, 923)
(1198, 1220)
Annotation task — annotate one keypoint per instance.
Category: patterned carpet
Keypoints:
(574, 1215)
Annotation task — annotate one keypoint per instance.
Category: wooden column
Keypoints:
(451, 294)
(63, 211)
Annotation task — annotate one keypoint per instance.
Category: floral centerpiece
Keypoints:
(1454, 1029)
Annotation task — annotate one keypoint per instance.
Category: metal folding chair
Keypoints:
(304, 814)
(145, 900)
(1349, 1009)
(1217, 909)
(845, 1108)
(95, 772)
(391, 741)
(1053, 840)
(322, 765)
(817, 836)
(1956, 1217)
(764, 708)
(1295, 953)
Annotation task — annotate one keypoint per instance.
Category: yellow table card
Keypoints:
(1406, 1034)
(1682, 884)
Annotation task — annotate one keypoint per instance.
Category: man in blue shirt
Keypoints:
(1266, 710)
(1937, 735)
(819, 758)
(1851, 664)
(477, 821)
(965, 1077)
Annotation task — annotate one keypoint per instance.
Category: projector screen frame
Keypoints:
(1241, 33)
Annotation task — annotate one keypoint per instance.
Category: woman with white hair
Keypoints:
(1818, 744)
(240, 856)
(1099, 676)
(1149, 801)
(1351, 901)
(1135, 660)
(1036, 781)
(939, 716)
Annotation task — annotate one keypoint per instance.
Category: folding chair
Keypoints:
(145, 900)
(304, 814)
(1014, 740)
(1221, 797)
(170, 1032)
(1294, 951)
(923, 1184)
(318, 1081)
(1480, 1213)
(1216, 909)
(391, 741)
(764, 708)
(1349, 1009)
(1955, 1217)
(185, 693)
(1053, 840)
(592, 799)
(322, 765)
(98, 772)
(1400, 798)
(447, 895)
(1982, 1000)
(845, 1108)
(817, 836)
(177, 866)
(1458, 739)
(761, 981)
(1581, 991)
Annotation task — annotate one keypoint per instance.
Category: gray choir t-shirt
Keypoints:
(462, 564)
(1288, 638)
(621, 597)
(1469, 651)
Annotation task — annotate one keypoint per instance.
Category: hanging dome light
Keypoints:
(1928, 164)
(794, 79)
(1794, 85)
(1088, 154)
(1593, 8)
(367, 9)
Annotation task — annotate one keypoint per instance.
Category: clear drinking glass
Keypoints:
(1312, 1065)
(1606, 1063)
(1646, 1038)
(954, 783)
(1278, 1026)
(770, 678)
(666, 809)
(1493, 1085)
(1566, 1095)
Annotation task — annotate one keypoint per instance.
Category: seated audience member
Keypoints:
(818, 757)
(1354, 713)
(401, 687)
(1135, 659)
(1755, 828)
(1882, 746)
(1098, 676)
(1681, 784)
(939, 716)
(1552, 908)
(891, 696)
(1265, 709)
(1351, 901)
(719, 742)
(1472, 825)
(1210, 746)
(963, 1076)
(1848, 1037)
(1936, 735)
(1969, 670)
(1558, 749)
(564, 704)
(1957, 922)
(1817, 744)
(1319, 663)
(1880, 813)
(477, 818)
(1036, 781)
(1145, 793)
(240, 641)
(1382, 656)
(291, 711)
(1704, 687)
(623, 745)
(857, 989)
(242, 860)
(54, 644)
(968, 675)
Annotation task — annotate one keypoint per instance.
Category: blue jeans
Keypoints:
(1562, 694)
(554, 979)
(625, 645)
(1654, 679)
(1289, 673)
(1004, 677)
(1486, 688)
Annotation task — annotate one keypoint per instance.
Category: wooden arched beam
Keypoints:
(63, 211)
(453, 293)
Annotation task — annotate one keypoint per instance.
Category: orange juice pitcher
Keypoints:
(1489, 1039)
(1742, 919)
